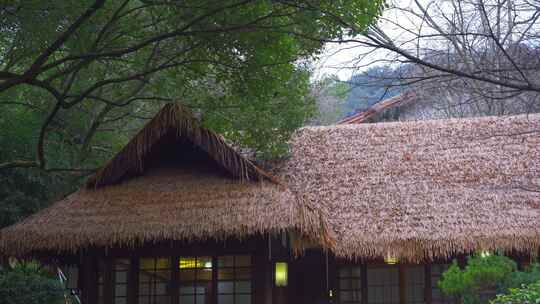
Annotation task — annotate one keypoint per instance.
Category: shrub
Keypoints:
(519, 278)
(28, 283)
(529, 294)
(483, 276)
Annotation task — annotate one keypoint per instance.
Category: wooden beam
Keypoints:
(175, 283)
(214, 291)
(133, 280)
(90, 278)
(402, 284)
(108, 280)
(332, 277)
(363, 273)
(261, 281)
(462, 261)
(428, 297)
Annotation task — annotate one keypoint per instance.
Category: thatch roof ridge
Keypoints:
(427, 122)
(381, 106)
(176, 117)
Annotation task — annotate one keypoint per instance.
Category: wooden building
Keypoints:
(368, 214)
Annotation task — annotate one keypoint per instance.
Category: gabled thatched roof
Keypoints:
(421, 190)
(175, 180)
(415, 190)
(174, 120)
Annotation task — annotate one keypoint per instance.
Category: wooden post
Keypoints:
(332, 277)
(133, 281)
(261, 279)
(214, 291)
(462, 261)
(363, 273)
(402, 284)
(108, 281)
(428, 298)
(90, 278)
(175, 284)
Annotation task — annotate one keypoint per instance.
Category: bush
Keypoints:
(483, 276)
(28, 283)
(519, 278)
(529, 294)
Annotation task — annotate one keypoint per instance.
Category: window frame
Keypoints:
(173, 286)
(351, 278)
(235, 280)
(403, 283)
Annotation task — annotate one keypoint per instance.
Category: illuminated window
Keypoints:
(154, 281)
(195, 276)
(234, 279)
(391, 260)
(281, 274)
(349, 284)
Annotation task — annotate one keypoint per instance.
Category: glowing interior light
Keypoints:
(190, 263)
(390, 260)
(281, 274)
(485, 254)
(208, 264)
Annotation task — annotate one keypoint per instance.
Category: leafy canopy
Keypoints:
(78, 78)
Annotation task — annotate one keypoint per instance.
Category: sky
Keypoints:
(342, 59)
(403, 21)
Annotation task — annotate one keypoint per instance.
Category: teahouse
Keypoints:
(357, 214)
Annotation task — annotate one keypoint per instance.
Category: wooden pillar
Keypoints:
(427, 284)
(80, 276)
(462, 261)
(262, 278)
(175, 284)
(214, 291)
(108, 281)
(332, 277)
(402, 284)
(364, 291)
(133, 280)
(90, 278)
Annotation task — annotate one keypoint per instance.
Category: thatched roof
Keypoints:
(364, 116)
(421, 190)
(414, 190)
(174, 181)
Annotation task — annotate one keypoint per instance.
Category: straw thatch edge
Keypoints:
(308, 225)
(421, 250)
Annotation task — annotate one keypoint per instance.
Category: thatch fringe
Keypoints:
(130, 160)
(165, 204)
